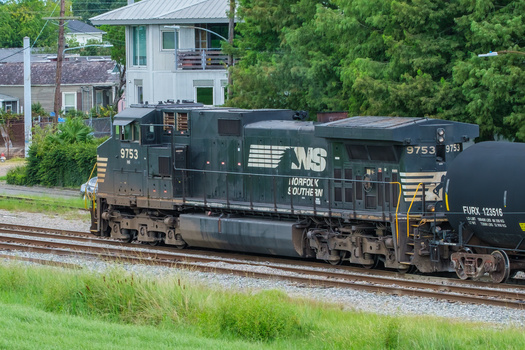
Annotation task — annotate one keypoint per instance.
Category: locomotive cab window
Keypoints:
(129, 132)
(125, 132)
(135, 132)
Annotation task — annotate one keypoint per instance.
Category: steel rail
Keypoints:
(311, 277)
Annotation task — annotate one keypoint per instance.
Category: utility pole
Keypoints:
(60, 54)
(231, 26)
(28, 120)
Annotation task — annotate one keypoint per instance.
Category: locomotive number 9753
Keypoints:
(129, 153)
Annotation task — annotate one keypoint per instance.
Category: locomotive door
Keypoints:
(343, 184)
(370, 187)
(180, 177)
(233, 181)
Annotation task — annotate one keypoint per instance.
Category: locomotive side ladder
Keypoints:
(407, 231)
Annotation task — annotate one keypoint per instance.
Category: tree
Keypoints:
(20, 18)
(399, 58)
(73, 130)
(115, 36)
(494, 88)
(88, 9)
(6, 121)
(265, 77)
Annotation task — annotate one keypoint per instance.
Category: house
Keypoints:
(85, 83)
(173, 49)
(82, 32)
(9, 104)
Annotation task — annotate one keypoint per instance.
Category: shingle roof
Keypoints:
(8, 98)
(166, 12)
(17, 55)
(44, 73)
(78, 27)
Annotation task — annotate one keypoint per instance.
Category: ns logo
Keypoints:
(270, 156)
(309, 158)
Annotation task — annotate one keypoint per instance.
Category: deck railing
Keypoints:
(200, 59)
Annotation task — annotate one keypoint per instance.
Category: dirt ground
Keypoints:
(5, 166)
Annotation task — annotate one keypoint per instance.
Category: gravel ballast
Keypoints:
(349, 299)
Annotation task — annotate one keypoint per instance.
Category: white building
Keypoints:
(82, 32)
(173, 49)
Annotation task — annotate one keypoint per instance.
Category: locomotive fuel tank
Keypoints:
(484, 192)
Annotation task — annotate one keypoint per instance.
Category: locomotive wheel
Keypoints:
(335, 262)
(129, 239)
(372, 265)
(410, 270)
(502, 272)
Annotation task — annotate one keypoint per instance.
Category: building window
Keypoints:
(102, 97)
(205, 95)
(201, 39)
(139, 91)
(69, 101)
(208, 39)
(169, 40)
(139, 45)
(10, 106)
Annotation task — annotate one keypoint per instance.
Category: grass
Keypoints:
(84, 310)
(26, 327)
(44, 204)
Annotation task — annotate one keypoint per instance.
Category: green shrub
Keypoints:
(17, 176)
(64, 156)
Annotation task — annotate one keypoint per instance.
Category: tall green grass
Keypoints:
(43, 204)
(267, 319)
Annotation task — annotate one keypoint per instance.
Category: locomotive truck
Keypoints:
(365, 190)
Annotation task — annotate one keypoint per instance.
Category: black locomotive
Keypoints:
(366, 190)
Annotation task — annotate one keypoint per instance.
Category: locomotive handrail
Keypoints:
(291, 202)
(397, 209)
(87, 194)
(410, 207)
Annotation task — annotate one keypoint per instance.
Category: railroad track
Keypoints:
(59, 242)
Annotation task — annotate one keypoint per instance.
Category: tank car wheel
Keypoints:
(502, 272)
(460, 269)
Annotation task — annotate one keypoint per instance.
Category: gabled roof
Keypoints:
(73, 73)
(17, 55)
(166, 12)
(7, 98)
(78, 27)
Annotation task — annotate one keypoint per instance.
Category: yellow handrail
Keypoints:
(86, 194)
(410, 207)
(397, 210)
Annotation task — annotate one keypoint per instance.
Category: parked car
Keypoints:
(90, 187)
